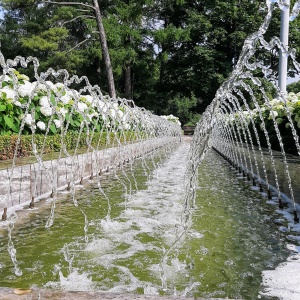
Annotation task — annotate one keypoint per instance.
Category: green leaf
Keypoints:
(8, 121)
(15, 127)
(2, 107)
(53, 128)
(52, 99)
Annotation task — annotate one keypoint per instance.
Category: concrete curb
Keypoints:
(42, 294)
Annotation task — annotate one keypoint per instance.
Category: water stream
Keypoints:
(144, 244)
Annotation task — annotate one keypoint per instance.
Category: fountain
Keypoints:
(242, 119)
(129, 205)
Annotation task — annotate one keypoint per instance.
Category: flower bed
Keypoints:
(280, 115)
(41, 116)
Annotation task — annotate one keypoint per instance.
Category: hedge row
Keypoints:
(52, 143)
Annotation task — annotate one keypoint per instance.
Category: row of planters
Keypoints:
(55, 113)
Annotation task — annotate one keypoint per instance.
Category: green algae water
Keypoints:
(130, 235)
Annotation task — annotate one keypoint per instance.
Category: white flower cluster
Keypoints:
(275, 109)
(58, 105)
(172, 118)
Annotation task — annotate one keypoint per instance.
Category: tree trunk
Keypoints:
(128, 82)
(109, 72)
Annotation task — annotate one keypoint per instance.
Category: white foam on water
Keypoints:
(284, 281)
(73, 282)
(99, 245)
(155, 211)
(170, 270)
(195, 234)
(112, 226)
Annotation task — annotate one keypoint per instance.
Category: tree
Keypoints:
(51, 38)
(161, 51)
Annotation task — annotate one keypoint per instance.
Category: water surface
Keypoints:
(143, 245)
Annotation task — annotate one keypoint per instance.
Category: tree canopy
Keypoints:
(170, 56)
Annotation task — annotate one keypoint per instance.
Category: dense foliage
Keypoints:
(170, 56)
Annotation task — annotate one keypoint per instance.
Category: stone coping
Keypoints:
(44, 294)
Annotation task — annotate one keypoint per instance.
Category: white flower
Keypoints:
(73, 94)
(17, 103)
(28, 119)
(81, 106)
(102, 106)
(88, 98)
(290, 109)
(57, 123)
(51, 86)
(41, 87)
(26, 89)
(126, 126)
(65, 99)
(59, 85)
(46, 111)
(275, 113)
(63, 111)
(10, 94)
(94, 114)
(120, 113)
(275, 102)
(5, 78)
(44, 101)
(41, 125)
(112, 113)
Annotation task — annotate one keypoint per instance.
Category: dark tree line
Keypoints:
(170, 56)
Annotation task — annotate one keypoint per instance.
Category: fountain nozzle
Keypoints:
(269, 194)
(296, 219)
(280, 203)
(4, 216)
(31, 205)
(253, 181)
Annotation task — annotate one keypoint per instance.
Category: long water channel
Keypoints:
(137, 242)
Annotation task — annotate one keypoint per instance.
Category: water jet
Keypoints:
(146, 226)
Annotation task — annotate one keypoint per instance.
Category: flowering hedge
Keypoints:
(279, 110)
(44, 106)
(54, 112)
(172, 118)
(47, 107)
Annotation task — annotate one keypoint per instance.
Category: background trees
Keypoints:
(170, 56)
